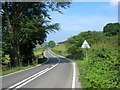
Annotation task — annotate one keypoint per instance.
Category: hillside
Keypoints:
(101, 67)
(61, 50)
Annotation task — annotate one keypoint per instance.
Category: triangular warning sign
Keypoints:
(85, 44)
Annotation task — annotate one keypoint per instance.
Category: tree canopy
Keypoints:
(111, 29)
(26, 24)
(51, 44)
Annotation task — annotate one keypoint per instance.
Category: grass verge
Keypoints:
(60, 50)
(15, 70)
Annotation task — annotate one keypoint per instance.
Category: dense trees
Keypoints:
(51, 44)
(26, 24)
(101, 68)
(111, 29)
(74, 43)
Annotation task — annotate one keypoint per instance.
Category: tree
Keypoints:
(111, 29)
(74, 43)
(26, 24)
(51, 44)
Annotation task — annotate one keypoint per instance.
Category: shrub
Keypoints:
(99, 69)
(6, 59)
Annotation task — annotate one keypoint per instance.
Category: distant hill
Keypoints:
(61, 42)
(45, 44)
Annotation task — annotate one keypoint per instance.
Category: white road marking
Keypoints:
(34, 77)
(74, 75)
(29, 79)
(19, 71)
(74, 70)
(54, 56)
(25, 69)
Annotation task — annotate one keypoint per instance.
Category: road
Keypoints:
(57, 72)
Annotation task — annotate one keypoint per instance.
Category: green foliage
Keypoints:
(111, 29)
(6, 59)
(51, 44)
(74, 43)
(24, 25)
(39, 52)
(14, 70)
(35, 61)
(100, 69)
(60, 50)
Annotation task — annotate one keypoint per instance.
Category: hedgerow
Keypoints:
(100, 69)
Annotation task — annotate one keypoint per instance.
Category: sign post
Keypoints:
(86, 46)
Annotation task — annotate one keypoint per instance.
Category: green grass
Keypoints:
(106, 42)
(14, 70)
(60, 50)
(60, 47)
(38, 52)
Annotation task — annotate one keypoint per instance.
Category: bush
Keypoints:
(6, 59)
(35, 60)
(111, 29)
(99, 69)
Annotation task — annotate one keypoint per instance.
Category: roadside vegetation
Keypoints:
(51, 44)
(100, 69)
(60, 50)
(15, 69)
(24, 26)
(38, 52)
(39, 58)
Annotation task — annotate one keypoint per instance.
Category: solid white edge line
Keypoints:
(54, 56)
(19, 71)
(32, 77)
(74, 70)
(27, 79)
(39, 74)
(25, 69)
(74, 75)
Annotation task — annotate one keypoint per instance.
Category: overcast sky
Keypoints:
(83, 16)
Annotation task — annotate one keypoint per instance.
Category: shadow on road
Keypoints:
(53, 60)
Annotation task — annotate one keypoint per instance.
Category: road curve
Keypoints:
(57, 72)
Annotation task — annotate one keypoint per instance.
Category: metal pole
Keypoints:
(86, 53)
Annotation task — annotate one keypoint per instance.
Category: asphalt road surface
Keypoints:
(57, 72)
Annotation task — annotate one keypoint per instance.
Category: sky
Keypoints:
(83, 16)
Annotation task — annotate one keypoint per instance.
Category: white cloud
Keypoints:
(114, 2)
(75, 22)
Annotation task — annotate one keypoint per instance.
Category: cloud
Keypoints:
(114, 2)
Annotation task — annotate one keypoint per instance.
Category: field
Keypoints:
(60, 50)
(39, 51)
